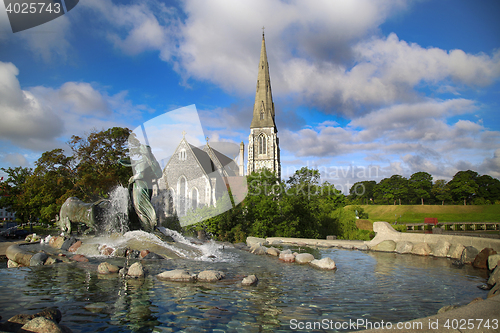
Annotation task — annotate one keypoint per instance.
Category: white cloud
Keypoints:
(24, 119)
(37, 118)
(139, 27)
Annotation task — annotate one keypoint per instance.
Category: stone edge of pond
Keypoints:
(474, 311)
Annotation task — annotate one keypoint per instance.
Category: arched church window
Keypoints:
(182, 155)
(262, 144)
(194, 198)
(182, 196)
(170, 208)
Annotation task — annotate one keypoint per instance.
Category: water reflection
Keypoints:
(369, 285)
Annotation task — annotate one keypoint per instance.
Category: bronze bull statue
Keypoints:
(76, 211)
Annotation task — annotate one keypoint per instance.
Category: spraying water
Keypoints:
(116, 215)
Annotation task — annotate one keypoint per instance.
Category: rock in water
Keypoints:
(493, 261)
(287, 256)
(38, 259)
(385, 246)
(304, 258)
(441, 249)
(469, 254)
(42, 325)
(249, 280)
(68, 243)
(456, 251)
(481, 260)
(210, 276)
(258, 249)
(178, 275)
(75, 246)
(404, 247)
(325, 263)
(136, 270)
(273, 251)
(422, 249)
(107, 268)
(494, 277)
(255, 240)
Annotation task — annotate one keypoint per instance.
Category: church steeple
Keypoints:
(263, 109)
(263, 142)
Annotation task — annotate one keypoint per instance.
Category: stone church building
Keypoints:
(195, 177)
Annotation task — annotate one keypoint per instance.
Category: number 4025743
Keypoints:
(33, 8)
(471, 324)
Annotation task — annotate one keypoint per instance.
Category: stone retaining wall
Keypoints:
(384, 231)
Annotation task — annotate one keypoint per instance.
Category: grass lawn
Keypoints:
(417, 213)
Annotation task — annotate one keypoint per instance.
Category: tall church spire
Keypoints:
(263, 108)
(263, 142)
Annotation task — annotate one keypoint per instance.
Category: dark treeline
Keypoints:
(466, 187)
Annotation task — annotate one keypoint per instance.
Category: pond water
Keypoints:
(373, 286)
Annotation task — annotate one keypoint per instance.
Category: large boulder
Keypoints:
(469, 254)
(39, 259)
(210, 276)
(107, 268)
(385, 246)
(15, 323)
(258, 249)
(68, 243)
(325, 263)
(75, 246)
(404, 247)
(136, 270)
(456, 251)
(481, 260)
(273, 251)
(304, 258)
(249, 280)
(495, 291)
(57, 242)
(494, 277)
(43, 325)
(422, 249)
(255, 240)
(441, 249)
(493, 261)
(178, 275)
(287, 256)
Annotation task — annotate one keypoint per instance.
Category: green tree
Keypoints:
(392, 189)
(15, 196)
(51, 184)
(362, 192)
(262, 207)
(421, 184)
(96, 157)
(488, 188)
(463, 186)
(441, 191)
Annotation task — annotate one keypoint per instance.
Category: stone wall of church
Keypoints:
(183, 164)
(270, 159)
